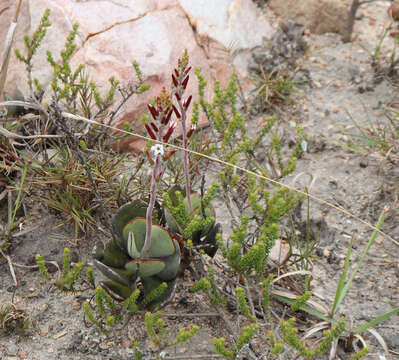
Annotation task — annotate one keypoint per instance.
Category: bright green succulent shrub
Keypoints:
(198, 225)
(123, 260)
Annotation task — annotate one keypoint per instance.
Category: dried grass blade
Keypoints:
(360, 338)
(292, 273)
(310, 307)
(379, 339)
(7, 47)
(333, 350)
(5, 58)
(315, 329)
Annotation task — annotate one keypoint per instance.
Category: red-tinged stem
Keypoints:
(185, 153)
(150, 207)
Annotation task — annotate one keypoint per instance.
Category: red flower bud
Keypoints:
(177, 73)
(185, 81)
(154, 127)
(190, 131)
(174, 81)
(187, 102)
(158, 177)
(168, 155)
(154, 112)
(177, 96)
(167, 118)
(169, 132)
(150, 132)
(188, 69)
(176, 112)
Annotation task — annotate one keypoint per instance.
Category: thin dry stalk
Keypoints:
(5, 58)
(14, 277)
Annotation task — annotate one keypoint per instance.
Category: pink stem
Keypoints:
(150, 207)
(185, 154)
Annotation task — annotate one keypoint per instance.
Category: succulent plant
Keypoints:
(178, 218)
(123, 261)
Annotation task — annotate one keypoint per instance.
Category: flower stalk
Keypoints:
(161, 131)
(180, 83)
(156, 174)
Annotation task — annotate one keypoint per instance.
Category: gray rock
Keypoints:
(12, 350)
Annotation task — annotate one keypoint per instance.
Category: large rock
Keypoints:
(319, 16)
(232, 23)
(153, 32)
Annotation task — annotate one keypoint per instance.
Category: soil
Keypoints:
(343, 91)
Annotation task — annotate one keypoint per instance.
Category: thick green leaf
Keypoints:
(161, 242)
(196, 206)
(172, 223)
(98, 251)
(174, 227)
(137, 227)
(119, 275)
(131, 246)
(172, 264)
(114, 256)
(117, 291)
(172, 193)
(209, 242)
(195, 203)
(125, 214)
(145, 267)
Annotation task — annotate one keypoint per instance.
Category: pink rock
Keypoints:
(279, 253)
(153, 32)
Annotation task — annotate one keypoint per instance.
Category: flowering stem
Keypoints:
(150, 207)
(185, 153)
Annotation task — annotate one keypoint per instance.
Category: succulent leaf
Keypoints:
(98, 251)
(135, 226)
(210, 240)
(145, 267)
(172, 223)
(172, 264)
(161, 241)
(197, 210)
(172, 194)
(117, 291)
(119, 275)
(114, 256)
(131, 246)
(122, 262)
(125, 214)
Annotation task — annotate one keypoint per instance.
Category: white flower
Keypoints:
(157, 149)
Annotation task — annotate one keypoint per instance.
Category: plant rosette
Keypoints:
(123, 261)
(178, 219)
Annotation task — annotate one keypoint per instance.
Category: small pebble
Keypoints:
(12, 350)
